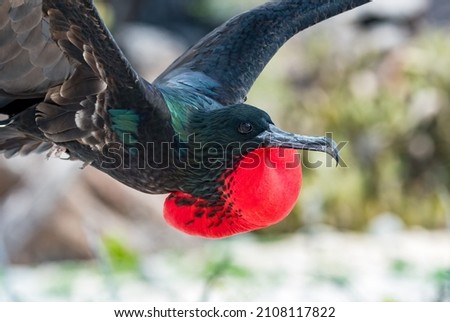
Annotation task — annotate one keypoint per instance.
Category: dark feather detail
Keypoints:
(10, 50)
(5, 8)
(14, 142)
(28, 56)
(29, 39)
(71, 123)
(82, 84)
(58, 60)
(18, 70)
(58, 124)
(10, 47)
(27, 81)
(46, 58)
(25, 17)
(81, 34)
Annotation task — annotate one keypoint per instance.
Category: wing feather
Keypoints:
(62, 53)
(225, 63)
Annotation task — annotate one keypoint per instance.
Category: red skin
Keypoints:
(260, 192)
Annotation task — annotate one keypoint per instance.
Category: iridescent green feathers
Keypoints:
(125, 124)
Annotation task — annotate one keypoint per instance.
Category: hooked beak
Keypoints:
(274, 137)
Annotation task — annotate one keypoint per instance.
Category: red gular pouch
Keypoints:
(259, 192)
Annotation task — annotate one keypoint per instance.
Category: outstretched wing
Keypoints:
(30, 61)
(89, 92)
(226, 62)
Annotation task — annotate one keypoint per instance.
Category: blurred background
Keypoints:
(374, 229)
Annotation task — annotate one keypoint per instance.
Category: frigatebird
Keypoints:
(66, 87)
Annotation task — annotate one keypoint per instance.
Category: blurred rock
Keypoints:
(391, 23)
(386, 224)
(9, 181)
(398, 11)
(58, 209)
(150, 49)
(178, 16)
(24, 212)
(425, 106)
(438, 12)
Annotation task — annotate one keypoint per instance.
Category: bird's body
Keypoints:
(66, 86)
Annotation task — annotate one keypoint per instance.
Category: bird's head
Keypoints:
(220, 137)
(244, 172)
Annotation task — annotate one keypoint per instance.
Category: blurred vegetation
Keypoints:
(220, 10)
(121, 257)
(441, 279)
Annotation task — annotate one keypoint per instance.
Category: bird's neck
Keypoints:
(183, 104)
(260, 191)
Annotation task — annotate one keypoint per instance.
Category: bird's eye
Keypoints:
(245, 127)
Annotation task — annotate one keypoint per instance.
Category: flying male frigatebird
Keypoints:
(66, 87)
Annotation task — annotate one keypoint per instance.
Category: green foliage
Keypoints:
(389, 299)
(221, 10)
(219, 264)
(122, 258)
(441, 278)
(339, 280)
(106, 11)
(62, 285)
(400, 267)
